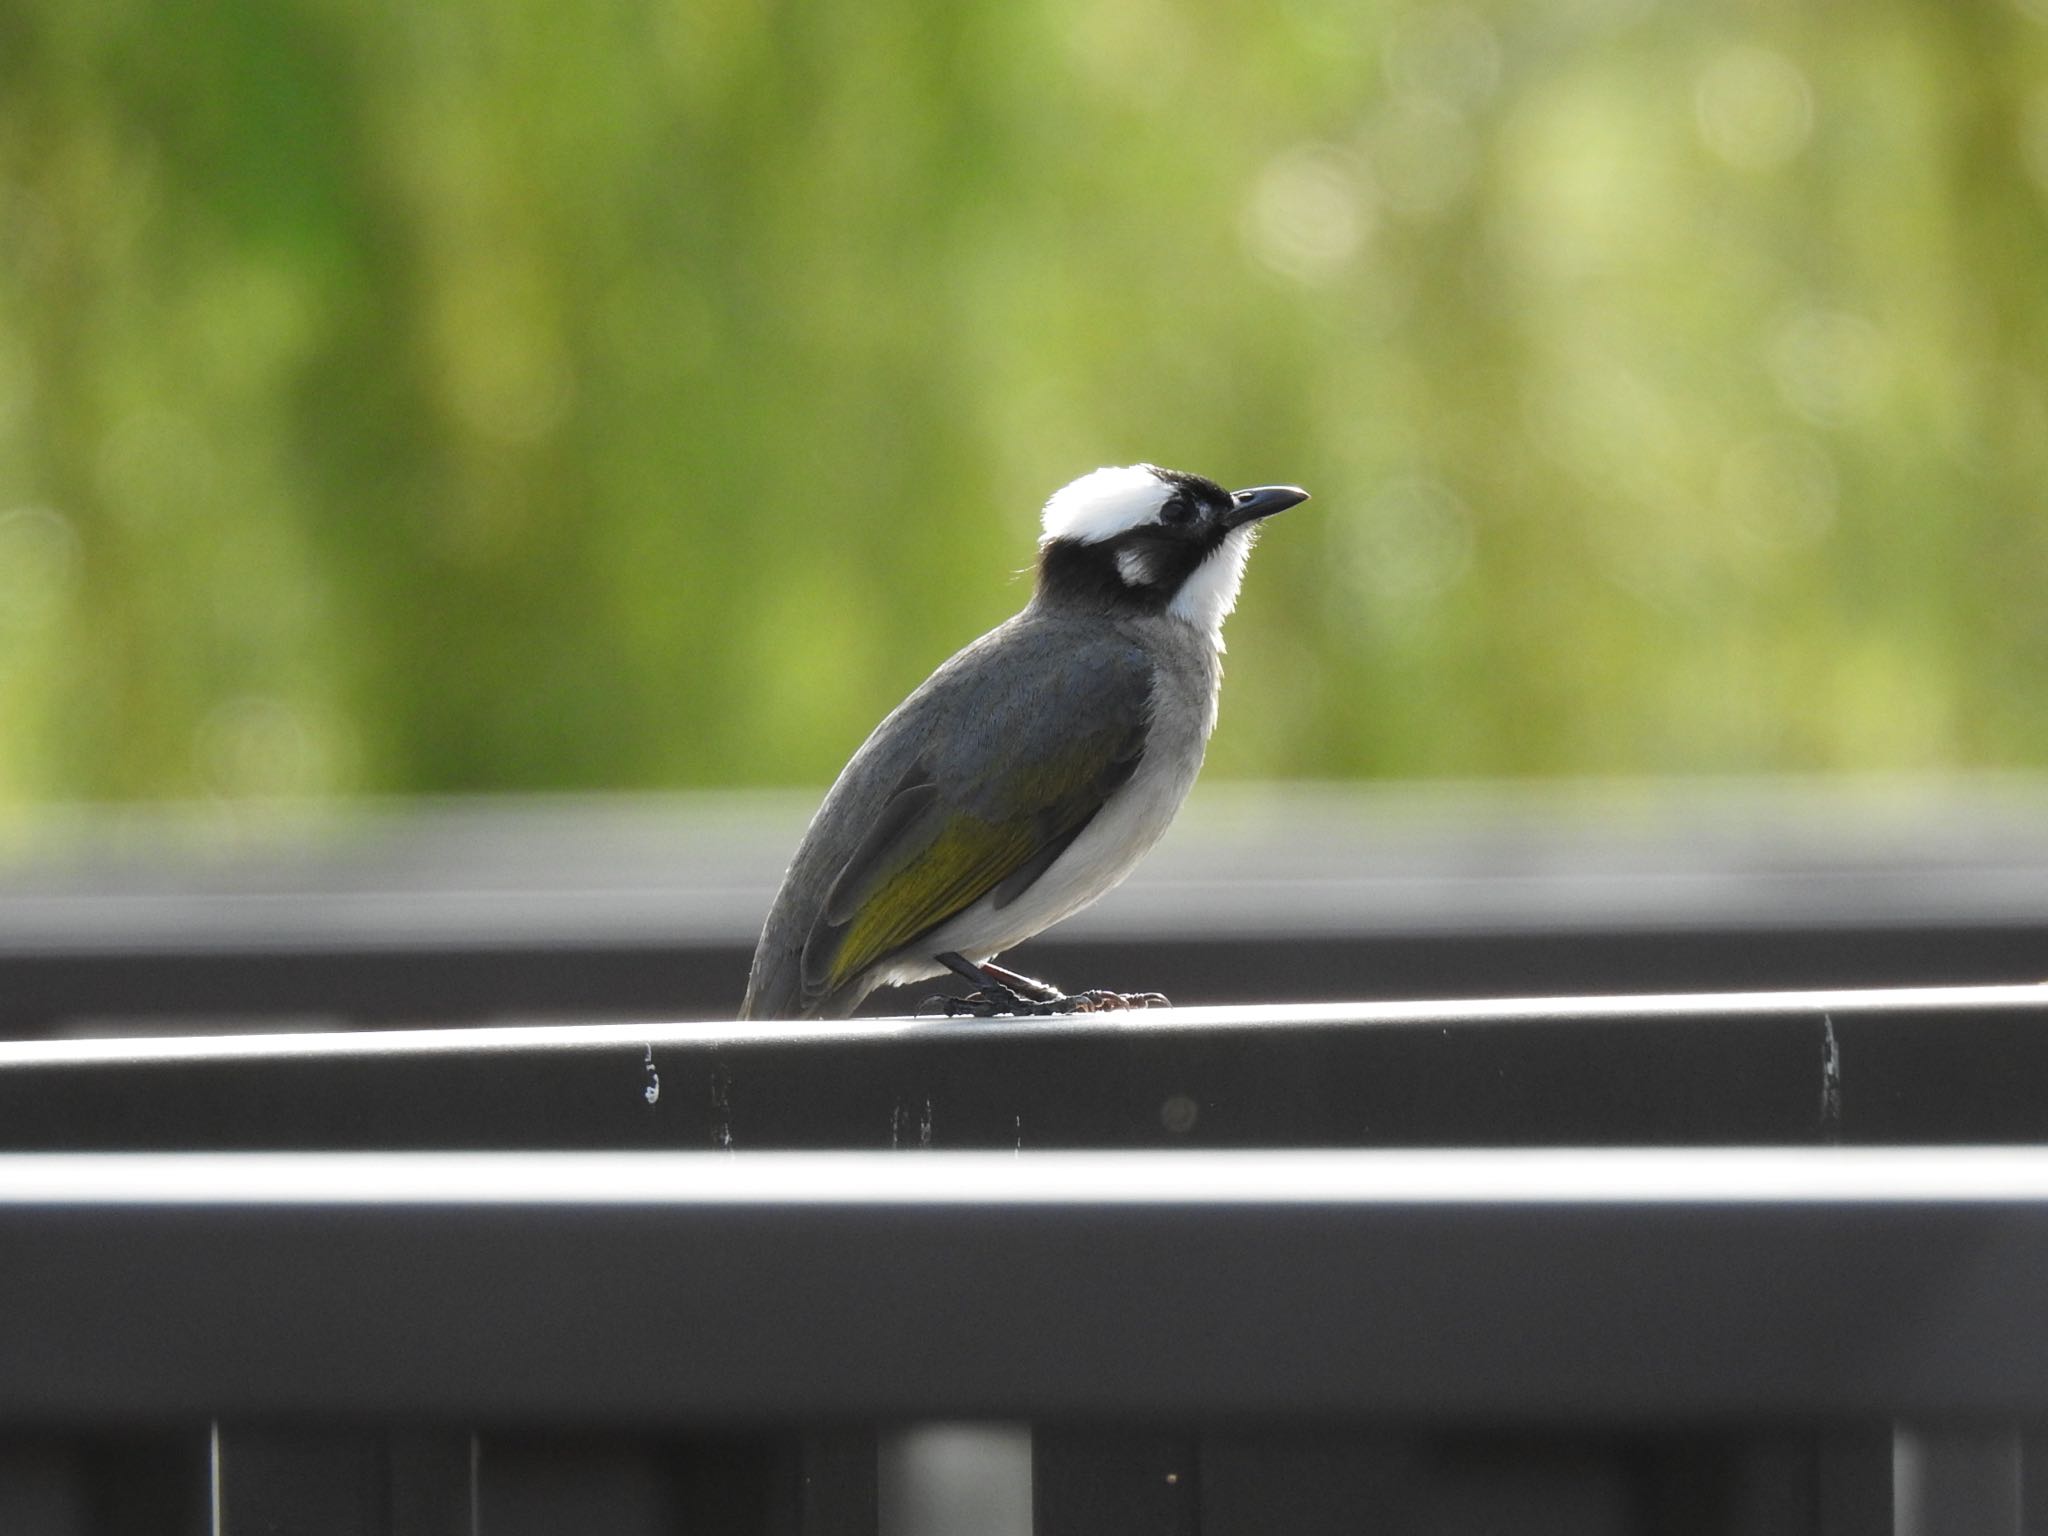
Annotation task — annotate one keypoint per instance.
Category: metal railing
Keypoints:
(1707, 1263)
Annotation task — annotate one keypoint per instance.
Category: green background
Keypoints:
(501, 395)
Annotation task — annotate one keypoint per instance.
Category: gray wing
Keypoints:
(973, 786)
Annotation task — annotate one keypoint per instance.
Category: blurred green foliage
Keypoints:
(512, 395)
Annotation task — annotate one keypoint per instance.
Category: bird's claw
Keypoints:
(998, 1001)
(992, 1001)
(1097, 1001)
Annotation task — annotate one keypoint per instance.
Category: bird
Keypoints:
(1028, 774)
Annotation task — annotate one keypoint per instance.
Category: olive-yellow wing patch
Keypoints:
(930, 856)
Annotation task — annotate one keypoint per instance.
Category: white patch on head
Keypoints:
(1104, 504)
(1210, 592)
(1136, 567)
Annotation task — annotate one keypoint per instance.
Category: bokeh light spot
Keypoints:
(1754, 108)
(1130, 48)
(262, 747)
(1409, 544)
(1447, 51)
(1829, 365)
(1309, 213)
(1584, 189)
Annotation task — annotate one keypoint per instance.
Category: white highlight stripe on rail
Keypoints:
(1363, 1179)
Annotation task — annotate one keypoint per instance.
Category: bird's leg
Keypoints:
(1023, 986)
(1094, 1000)
(990, 996)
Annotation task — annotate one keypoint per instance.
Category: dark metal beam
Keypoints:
(1672, 1287)
(1951, 1065)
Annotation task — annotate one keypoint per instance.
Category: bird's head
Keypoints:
(1142, 539)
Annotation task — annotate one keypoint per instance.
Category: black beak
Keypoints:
(1262, 501)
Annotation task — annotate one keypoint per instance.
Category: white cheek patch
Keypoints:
(1137, 567)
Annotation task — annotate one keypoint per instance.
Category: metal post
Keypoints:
(956, 1480)
(1948, 1481)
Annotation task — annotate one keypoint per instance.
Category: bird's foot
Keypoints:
(1004, 993)
(998, 1001)
(1097, 1001)
(993, 1001)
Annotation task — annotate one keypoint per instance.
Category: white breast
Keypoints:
(1123, 831)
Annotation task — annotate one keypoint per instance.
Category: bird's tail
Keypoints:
(775, 990)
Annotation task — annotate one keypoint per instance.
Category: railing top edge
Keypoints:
(1248, 1020)
(991, 1181)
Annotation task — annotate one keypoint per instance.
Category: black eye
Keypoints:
(1177, 513)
